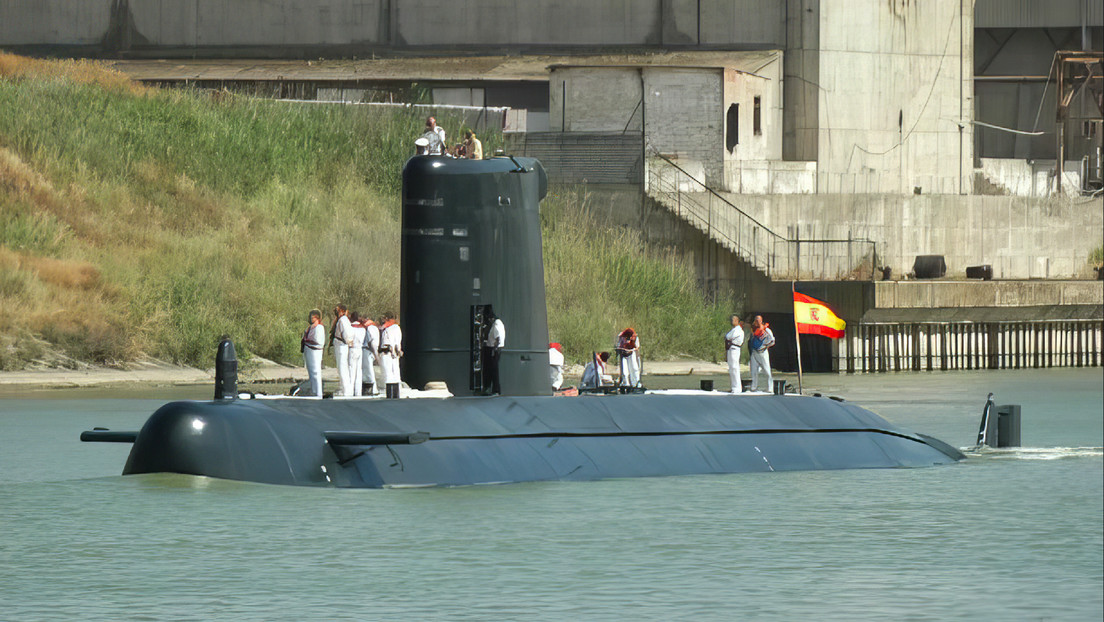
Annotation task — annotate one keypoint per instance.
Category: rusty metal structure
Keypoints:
(1074, 72)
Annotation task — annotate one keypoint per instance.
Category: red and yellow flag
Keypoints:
(813, 317)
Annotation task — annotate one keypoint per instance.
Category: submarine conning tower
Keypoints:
(471, 237)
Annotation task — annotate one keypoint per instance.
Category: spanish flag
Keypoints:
(813, 317)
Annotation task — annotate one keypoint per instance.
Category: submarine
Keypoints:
(471, 239)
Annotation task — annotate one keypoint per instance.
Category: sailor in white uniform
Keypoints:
(555, 365)
(342, 338)
(311, 345)
(368, 359)
(628, 350)
(390, 352)
(734, 340)
(594, 374)
(492, 352)
(356, 352)
(762, 339)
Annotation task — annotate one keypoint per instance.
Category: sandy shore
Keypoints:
(157, 373)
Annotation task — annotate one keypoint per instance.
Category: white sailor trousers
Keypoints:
(760, 360)
(355, 372)
(733, 356)
(313, 361)
(367, 367)
(341, 360)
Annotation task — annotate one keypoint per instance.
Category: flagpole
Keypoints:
(797, 336)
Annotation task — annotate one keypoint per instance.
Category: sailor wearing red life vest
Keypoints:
(761, 340)
(628, 350)
(356, 352)
(390, 352)
(342, 337)
(369, 356)
(314, 339)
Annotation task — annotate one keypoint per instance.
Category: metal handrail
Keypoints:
(762, 251)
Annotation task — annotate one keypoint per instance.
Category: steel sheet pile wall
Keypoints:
(971, 345)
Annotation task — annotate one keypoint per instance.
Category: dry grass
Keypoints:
(136, 221)
(81, 71)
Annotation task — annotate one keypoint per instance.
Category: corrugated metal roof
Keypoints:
(1038, 13)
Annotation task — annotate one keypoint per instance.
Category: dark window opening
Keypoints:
(757, 117)
(732, 133)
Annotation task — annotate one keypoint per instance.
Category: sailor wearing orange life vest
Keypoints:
(368, 359)
(390, 352)
(342, 337)
(356, 351)
(761, 340)
(734, 340)
(628, 350)
(314, 339)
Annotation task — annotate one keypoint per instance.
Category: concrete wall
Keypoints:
(1020, 237)
(770, 177)
(947, 294)
(801, 88)
(594, 99)
(895, 96)
(364, 24)
(684, 117)
(1024, 178)
(742, 89)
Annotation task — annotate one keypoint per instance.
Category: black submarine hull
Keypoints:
(474, 440)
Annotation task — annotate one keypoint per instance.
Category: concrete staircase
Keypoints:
(775, 256)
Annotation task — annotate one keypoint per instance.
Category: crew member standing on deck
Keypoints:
(555, 365)
(369, 356)
(390, 352)
(762, 339)
(734, 340)
(492, 350)
(356, 352)
(341, 336)
(311, 345)
(628, 350)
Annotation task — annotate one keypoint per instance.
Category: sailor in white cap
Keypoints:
(421, 145)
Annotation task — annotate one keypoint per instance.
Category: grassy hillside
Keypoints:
(145, 222)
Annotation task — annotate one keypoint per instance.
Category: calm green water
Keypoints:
(1011, 535)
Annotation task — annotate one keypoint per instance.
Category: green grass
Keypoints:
(142, 222)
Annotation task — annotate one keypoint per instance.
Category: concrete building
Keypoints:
(1016, 42)
(713, 118)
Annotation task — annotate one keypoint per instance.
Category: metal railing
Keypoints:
(776, 256)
